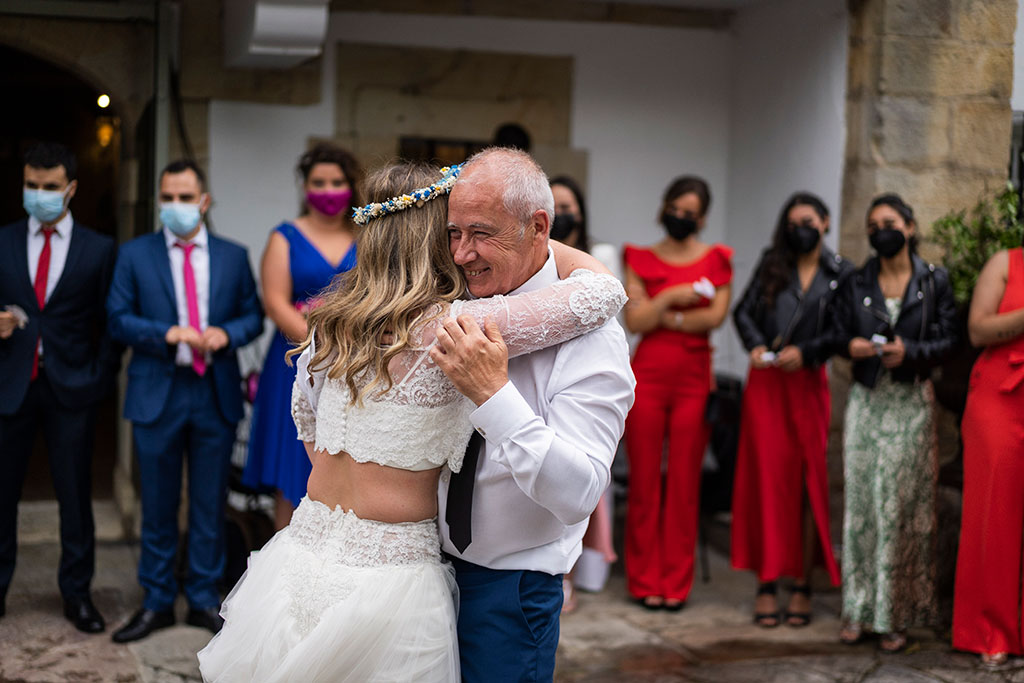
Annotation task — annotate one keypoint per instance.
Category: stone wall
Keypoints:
(928, 107)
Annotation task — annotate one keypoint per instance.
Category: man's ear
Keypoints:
(72, 188)
(541, 223)
(204, 203)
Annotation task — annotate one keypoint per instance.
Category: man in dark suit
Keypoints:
(184, 300)
(56, 363)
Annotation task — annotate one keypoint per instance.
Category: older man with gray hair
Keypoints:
(547, 426)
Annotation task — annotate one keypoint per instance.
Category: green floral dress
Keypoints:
(891, 468)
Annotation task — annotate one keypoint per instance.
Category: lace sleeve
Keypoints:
(305, 395)
(302, 414)
(552, 315)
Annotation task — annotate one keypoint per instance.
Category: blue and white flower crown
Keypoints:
(363, 215)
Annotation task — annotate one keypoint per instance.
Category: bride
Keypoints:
(356, 589)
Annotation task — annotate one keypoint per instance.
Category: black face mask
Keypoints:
(802, 238)
(887, 241)
(563, 225)
(678, 228)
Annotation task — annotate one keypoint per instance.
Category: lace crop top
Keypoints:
(422, 421)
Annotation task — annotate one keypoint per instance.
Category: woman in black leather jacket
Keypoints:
(897, 317)
(780, 500)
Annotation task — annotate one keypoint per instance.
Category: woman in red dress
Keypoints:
(678, 292)
(986, 616)
(780, 498)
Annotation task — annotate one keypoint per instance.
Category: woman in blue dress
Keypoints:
(301, 258)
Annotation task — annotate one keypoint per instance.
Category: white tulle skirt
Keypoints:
(336, 598)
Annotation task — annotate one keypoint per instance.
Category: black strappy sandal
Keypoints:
(799, 619)
(768, 619)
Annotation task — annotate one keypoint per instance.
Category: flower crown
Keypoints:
(363, 215)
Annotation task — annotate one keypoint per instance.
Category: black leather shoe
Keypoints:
(142, 623)
(84, 615)
(208, 618)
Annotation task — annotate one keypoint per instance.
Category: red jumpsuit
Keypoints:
(986, 606)
(673, 380)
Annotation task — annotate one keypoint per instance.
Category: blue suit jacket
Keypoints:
(81, 361)
(141, 308)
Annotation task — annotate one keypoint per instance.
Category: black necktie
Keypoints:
(459, 509)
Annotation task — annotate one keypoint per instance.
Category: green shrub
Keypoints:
(970, 239)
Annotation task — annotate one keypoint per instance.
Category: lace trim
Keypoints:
(410, 436)
(335, 541)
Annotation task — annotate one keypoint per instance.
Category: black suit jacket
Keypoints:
(81, 360)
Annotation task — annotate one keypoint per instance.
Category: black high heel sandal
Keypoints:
(768, 619)
(799, 619)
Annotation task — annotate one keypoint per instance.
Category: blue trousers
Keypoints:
(190, 425)
(508, 623)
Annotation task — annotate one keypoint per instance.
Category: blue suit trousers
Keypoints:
(508, 623)
(190, 428)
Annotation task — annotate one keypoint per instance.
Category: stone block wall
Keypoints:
(928, 107)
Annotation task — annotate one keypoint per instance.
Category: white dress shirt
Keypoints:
(60, 241)
(200, 260)
(551, 434)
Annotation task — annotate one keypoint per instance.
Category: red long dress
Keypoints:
(986, 616)
(781, 457)
(673, 380)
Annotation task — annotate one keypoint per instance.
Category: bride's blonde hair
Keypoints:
(403, 266)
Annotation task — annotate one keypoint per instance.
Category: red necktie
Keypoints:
(42, 276)
(198, 360)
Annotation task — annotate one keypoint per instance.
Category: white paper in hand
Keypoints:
(19, 315)
(704, 287)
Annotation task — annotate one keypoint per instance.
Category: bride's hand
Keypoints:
(475, 360)
(568, 259)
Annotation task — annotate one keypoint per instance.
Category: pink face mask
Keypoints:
(330, 203)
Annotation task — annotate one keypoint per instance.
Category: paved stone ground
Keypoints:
(608, 639)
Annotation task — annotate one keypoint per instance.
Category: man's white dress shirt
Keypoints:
(60, 241)
(551, 434)
(200, 260)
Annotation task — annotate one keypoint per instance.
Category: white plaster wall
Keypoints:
(787, 129)
(758, 111)
(648, 104)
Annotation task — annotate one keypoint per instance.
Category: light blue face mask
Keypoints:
(180, 218)
(46, 206)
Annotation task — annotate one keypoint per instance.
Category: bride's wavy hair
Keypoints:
(403, 266)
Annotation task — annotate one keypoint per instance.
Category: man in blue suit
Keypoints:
(56, 363)
(185, 301)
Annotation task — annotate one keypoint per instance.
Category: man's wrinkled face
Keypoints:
(486, 241)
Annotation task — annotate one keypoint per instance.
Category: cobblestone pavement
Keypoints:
(607, 639)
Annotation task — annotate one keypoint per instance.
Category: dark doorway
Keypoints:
(47, 102)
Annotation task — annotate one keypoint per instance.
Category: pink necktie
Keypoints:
(198, 360)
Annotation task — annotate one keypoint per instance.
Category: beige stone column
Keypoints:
(928, 117)
(928, 107)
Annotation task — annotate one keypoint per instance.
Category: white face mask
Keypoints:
(180, 218)
(46, 206)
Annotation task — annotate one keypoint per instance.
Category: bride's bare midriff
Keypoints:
(373, 491)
